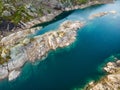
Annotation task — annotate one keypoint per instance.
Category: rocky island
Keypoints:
(111, 81)
(17, 48)
(100, 14)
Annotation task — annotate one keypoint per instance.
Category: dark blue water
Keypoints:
(75, 65)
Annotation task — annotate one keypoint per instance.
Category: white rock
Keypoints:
(13, 75)
(118, 62)
(113, 12)
(112, 64)
(3, 55)
(3, 73)
(26, 41)
(6, 13)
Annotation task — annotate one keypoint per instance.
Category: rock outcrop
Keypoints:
(23, 48)
(109, 82)
(14, 74)
(85, 5)
(100, 14)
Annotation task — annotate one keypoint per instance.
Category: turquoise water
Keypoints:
(72, 66)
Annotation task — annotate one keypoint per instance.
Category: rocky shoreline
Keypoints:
(109, 82)
(90, 3)
(49, 17)
(20, 48)
(33, 22)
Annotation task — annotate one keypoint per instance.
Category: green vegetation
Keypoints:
(13, 12)
(6, 59)
(20, 10)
